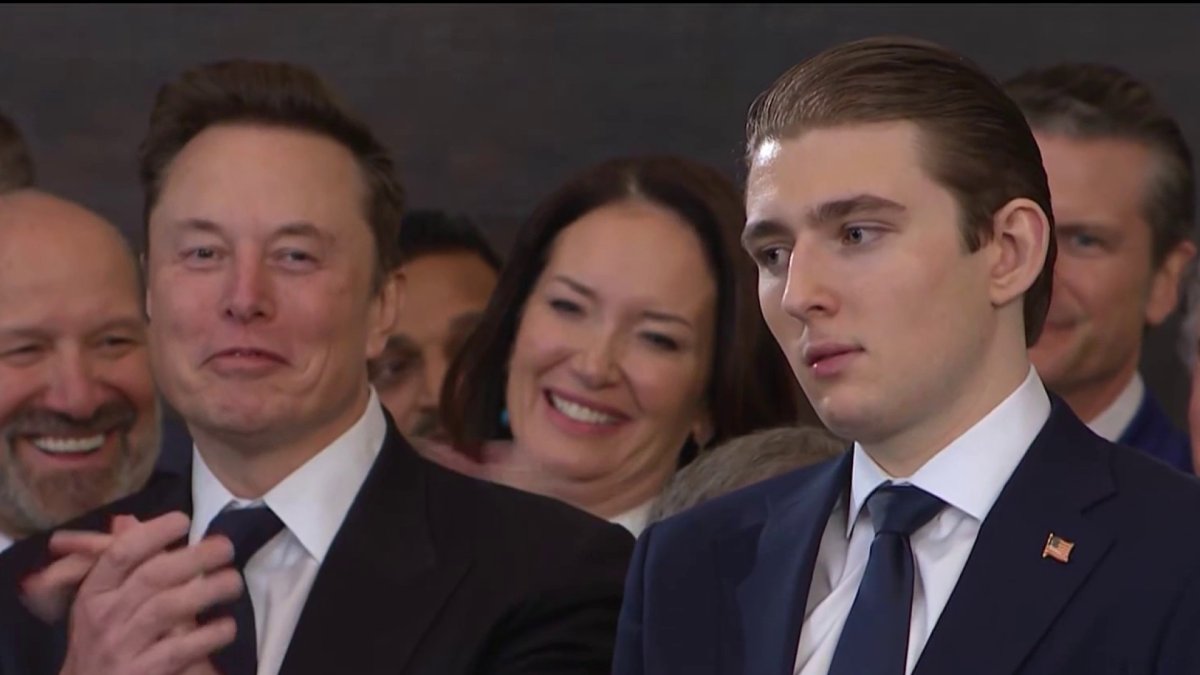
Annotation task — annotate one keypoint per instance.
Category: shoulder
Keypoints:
(1149, 485)
(743, 511)
(513, 527)
(31, 553)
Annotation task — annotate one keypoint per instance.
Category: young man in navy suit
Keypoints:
(900, 218)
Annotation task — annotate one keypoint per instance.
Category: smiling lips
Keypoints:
(249, 353)
(67, 445)
(584, 414)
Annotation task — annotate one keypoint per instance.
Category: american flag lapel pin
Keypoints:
(1058, 548)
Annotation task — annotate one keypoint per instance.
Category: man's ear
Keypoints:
(1164, 285)
(1018, 248)
(144, 269)
(385, 308)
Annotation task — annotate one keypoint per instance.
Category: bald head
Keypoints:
(78, 410)
(62, 232)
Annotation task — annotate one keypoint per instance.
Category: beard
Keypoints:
(32, 501)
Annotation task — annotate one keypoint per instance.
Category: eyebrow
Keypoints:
(1084, 225)
(648, 314)
(838, 209)
(122, 323)
(465, 322)
(825, 212)
(34, 333)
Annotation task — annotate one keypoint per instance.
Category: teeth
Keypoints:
(581, 413)
(68, 446)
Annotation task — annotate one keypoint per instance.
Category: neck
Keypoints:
(1089, 399)
(250, 465)
(902, 454)
(607, 496)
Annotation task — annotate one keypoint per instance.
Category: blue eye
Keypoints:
(772, 258)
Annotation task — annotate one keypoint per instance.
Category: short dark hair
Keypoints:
(751, 385)
(1091, 100)
(744, 461)
(275, 94)
(979, 146)
(425, 232)
(16, 164)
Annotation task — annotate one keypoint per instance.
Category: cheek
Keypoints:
(668, 391)
(19, 388)
(132, 377)
(539, 344)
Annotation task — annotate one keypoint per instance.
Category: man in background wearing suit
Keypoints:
(1121, 179)
(271, 218)
(900, 218)
(79, 413)
(449, 271)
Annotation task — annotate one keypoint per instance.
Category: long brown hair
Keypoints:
(751, 385)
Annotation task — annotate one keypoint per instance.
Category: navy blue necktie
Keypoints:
(874, 640)
(248, 529)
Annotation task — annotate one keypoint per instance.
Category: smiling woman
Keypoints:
(622, 337)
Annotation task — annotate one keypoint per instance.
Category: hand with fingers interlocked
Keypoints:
(132, 601)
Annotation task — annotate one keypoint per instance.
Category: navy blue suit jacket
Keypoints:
(722, 588)
(1153, 432)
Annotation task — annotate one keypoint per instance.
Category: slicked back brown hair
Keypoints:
(975, 140)
(1091, 101)
(272, 94)
(750, 386)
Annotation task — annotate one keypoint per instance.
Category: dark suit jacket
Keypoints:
(722, 588)
(431, 572)
(1152, 431)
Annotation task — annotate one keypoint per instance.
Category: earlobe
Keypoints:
(1164, 287)
(1020, 243)
(702, 430)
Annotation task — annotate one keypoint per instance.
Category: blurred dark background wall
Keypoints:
(487, 107)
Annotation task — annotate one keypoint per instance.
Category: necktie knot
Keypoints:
(902, 509)
(249, 529)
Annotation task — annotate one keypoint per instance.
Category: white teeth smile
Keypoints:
(68, 446)
(581, 413)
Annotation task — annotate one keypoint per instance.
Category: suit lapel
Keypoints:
(770, 574)
(1009, 593)
(381, 583)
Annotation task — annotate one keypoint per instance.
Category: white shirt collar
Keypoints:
(970, 472)
(314, 499)
(5, 542)
(1113, 421)
(635, 519)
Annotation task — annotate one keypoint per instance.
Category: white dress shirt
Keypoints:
(312, 502)
(968, 474)
(1113, 421)
(635, 519)
(5, 542)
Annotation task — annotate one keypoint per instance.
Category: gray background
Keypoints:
(487, 107)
